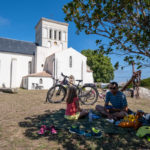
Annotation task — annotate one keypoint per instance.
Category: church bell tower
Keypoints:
(50, 33)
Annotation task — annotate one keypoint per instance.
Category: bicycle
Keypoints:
(102, 95)
(87, 93)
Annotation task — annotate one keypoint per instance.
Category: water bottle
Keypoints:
(90, 116)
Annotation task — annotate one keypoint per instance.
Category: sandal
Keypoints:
(42, 130)
(96, 133)
(53, 130)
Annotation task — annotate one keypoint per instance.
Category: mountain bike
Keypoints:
(87, 93)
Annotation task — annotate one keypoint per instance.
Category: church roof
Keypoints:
(39, 74)
(17, 46)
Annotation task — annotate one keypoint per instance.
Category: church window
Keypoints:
(55, 34)
(70, 61)
(50, 33)
(60, 35)
(41, 81)
(29, 67)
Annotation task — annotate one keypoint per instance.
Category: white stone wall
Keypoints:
(78, 69)
(49, 66)
(41, 54)
(47, 82)
(89, 77)
(13, 68)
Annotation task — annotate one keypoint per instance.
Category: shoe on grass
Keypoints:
(96, 133)
(53, 130)
(42, 130)
(75, 129)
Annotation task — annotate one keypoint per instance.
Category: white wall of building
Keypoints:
(49, 64)
(89, 77)
(13, 67)
(47, 82)
(78, 69)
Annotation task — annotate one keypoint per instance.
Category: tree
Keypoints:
(101, 65)
(125, 23)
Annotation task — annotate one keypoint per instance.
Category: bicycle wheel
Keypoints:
(56, 94)
(88, 95)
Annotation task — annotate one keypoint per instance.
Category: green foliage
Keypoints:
(130, 85)
(145, 82)
(125, 23)
(101, 65)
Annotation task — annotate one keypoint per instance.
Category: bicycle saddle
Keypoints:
(79, 80)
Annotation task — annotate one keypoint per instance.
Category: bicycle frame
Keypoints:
(65, 82)
(90, 90)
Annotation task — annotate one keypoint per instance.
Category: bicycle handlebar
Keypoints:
(64, 75)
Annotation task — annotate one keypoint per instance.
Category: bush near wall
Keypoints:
(145, 82)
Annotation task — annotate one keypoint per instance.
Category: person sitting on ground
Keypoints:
(118, 108)
(73, 110)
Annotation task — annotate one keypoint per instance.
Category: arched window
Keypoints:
(29, 67)
(41, 81)
(50, 33)
(60, 35)
(55, 35)
(70, 61)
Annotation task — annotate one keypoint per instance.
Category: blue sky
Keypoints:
(19, 17)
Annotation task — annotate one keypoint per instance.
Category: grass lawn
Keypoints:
(22, 114)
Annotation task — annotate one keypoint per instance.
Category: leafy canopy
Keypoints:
(101, 65)
(125, 23)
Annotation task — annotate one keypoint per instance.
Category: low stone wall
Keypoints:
(144, 93)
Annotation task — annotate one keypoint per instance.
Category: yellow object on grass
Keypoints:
(73, 117)
(129, 118)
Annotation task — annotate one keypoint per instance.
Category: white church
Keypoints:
(30, 65)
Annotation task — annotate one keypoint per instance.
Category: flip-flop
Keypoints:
(95, 116)
(53, 130)
(96, 133)
(110, 120)
(42, 130)
(76, 130)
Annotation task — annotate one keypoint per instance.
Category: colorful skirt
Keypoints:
(72, 117)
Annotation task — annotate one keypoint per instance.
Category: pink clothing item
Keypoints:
(72, 108)
(53, 130)
(42, 130)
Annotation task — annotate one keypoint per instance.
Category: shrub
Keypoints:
(145, 82)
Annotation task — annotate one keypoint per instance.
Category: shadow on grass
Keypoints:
(113, 137)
